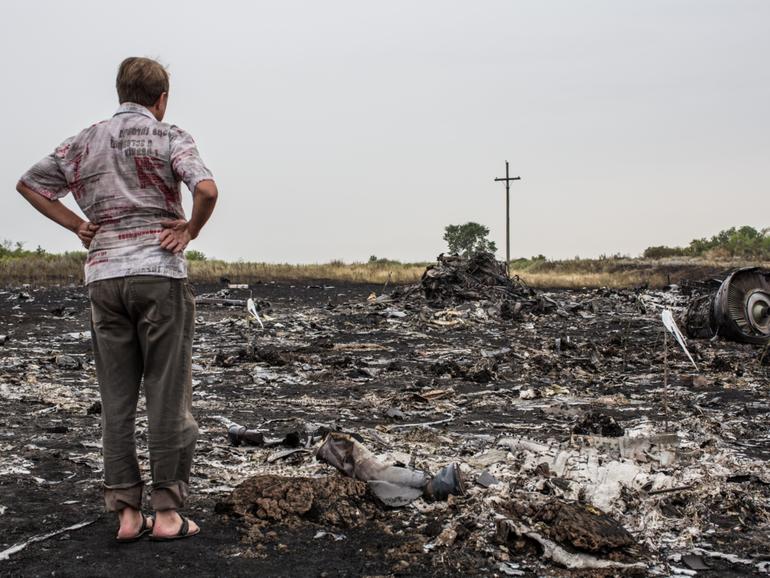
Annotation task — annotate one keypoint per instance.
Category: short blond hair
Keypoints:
(141, 80)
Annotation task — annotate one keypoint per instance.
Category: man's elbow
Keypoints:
(207, 190)
(26, 192)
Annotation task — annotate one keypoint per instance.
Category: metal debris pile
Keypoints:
(456, 280)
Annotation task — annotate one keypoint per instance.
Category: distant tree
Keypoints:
(376, 261)
(662, 251)
(734, 242)
(16, 250)
(468, 239)
(745, 241)
(5, 248)
(194, 255)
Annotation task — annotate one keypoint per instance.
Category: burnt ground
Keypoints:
(423, 387)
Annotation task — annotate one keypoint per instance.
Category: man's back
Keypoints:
(125, 175)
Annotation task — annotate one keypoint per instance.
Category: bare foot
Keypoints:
(131, 523)
(168, 523)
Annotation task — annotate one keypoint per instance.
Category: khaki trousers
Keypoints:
(142, 327)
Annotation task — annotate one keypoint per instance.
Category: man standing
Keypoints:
(125, 175)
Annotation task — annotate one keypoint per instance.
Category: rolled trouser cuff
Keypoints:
(169, 495)
(122, 496)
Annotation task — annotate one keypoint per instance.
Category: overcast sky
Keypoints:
(338, 130)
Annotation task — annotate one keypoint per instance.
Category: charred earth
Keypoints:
(551, 404)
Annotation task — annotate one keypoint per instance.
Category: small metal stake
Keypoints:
(390, 273)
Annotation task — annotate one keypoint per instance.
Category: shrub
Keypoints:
(194, 255)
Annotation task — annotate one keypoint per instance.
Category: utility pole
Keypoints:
(507, 180)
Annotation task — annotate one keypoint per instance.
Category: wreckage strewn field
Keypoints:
(529, 399)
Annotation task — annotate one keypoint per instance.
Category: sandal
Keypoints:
(184, 532)
(142, 531)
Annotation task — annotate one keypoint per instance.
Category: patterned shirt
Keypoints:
(125, 175)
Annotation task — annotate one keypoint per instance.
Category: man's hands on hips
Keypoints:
(55, 210)
(176, 235)
(85, 232)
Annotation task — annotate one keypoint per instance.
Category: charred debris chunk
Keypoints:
(597, 423)
(454, 280)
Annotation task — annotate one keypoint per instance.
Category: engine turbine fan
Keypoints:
(741, 309)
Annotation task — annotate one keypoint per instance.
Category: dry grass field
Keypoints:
(47, 269)
(623, 272)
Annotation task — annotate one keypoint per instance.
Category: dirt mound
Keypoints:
(583, 527)
(572, 525)
(329, 501)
